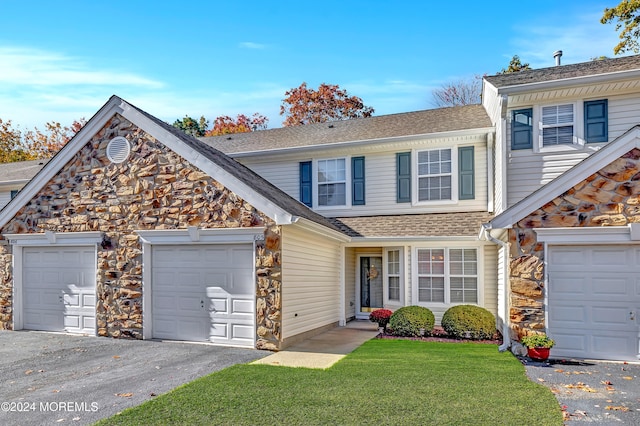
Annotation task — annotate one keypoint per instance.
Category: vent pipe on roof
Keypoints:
(557, 55)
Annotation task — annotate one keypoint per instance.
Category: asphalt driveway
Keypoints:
(48, 378)
(597, 392)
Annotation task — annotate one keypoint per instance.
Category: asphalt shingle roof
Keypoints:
(22, 170)
(362, 129)
(465, 224)
(583, 69)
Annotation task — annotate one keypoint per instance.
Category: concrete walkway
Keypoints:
(324, 350)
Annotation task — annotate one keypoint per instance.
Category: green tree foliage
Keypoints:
(329, 103)
(515, 65)
(192, 127)
(627, 16)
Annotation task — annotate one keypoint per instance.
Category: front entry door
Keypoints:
(370, 284)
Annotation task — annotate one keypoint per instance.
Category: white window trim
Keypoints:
(348, 183)
(415, 177)
(401, 275)
(578, 128)
(480, 274)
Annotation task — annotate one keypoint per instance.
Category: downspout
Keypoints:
(506, 332)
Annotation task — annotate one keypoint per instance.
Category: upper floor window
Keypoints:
(335, 182)
(434, 175)
(332, 182)
(557, 124)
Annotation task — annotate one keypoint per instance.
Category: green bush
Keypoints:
(469, 322)
(408, 321)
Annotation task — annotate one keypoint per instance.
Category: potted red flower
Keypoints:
(538, 346)
(381, 316)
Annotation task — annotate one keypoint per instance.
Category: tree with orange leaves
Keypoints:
(225, 125)
(46, 144)
(328, 103)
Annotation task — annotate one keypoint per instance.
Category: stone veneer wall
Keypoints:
(154, 189)
(609, 197)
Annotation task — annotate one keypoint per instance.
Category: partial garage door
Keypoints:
(204, 293)
(59, 289)
(594, 301)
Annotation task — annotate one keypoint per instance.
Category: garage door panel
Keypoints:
(201, 293)
(591, 292)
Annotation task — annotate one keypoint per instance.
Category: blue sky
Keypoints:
(62, 60)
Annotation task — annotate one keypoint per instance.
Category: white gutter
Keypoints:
(506, 332)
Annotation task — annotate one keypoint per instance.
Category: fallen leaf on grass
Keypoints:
(125, 395)
(616, 408)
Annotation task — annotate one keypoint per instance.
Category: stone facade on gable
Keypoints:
(609, 197)
(154, 189)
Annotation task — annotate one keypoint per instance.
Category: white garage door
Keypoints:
(594, 301)
(204, 293)
(59, 289)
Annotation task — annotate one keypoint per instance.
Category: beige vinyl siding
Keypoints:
(490, 296)
(5, 197)
(310, 281)
(350, 283)
(528, 171)
(503, 308)
(380, 179)
(499, 168)
(624, 113)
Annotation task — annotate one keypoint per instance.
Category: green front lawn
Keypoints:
(385, 382)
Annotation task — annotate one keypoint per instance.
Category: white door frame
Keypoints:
(46, 239)
(359, 313)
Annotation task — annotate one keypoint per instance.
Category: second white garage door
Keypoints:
(59, 289)
(204, 293)
(594, 301)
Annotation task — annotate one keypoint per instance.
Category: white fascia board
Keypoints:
(576, 174)
(266, 206)
(55, 238)
(585, 235)
(569, 82)
(60, 159)
(195, 235)
(394, 241)
(382, 141)
(316, 228)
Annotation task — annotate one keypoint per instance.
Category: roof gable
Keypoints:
(268, 199)
(597, 162)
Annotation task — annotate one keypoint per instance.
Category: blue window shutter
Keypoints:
(522, 129)
(466, 178)
(596, 121)
(357, 181)
(306, 183)
(403, 171)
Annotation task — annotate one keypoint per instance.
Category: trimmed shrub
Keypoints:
(469, 322)
(408, 321)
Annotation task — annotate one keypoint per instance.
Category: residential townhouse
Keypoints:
(345, 217)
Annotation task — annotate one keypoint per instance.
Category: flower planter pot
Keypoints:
(538, 354)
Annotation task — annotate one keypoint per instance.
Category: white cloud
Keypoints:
(580, 38)
(252, 45)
